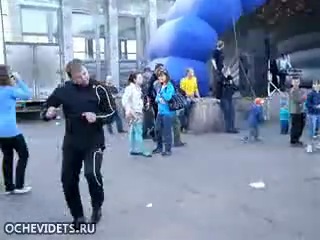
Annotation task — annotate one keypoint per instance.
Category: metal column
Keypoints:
(139, 41)
(114, 42)
(3, 55)
(106, 37)
(66, 30)
(97, 41)
(152, 18)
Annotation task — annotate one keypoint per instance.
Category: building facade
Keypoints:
(109, 35)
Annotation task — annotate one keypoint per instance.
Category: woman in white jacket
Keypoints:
(132, 102)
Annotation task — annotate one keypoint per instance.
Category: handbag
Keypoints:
(178, 101)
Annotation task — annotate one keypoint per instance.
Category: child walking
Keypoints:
(254, 120)
(132, 101)
(284, 118)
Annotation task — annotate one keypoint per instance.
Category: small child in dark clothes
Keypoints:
(254, 120)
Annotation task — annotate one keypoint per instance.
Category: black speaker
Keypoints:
(253, 75)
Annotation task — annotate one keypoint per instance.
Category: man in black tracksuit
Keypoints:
(86, 106)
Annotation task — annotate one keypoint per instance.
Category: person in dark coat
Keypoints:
(151, 94)
(228, 88)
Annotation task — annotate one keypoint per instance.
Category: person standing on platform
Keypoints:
(284, 66)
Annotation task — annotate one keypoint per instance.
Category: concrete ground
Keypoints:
(200, 193)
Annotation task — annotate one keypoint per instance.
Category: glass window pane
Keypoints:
(5, 7)
(7, 28)
(123, 46)
(132, 46)
(34, 21)
(79, 44)
(132, 56)
(127, 28)
(79, 55)
(84, 24)
(101, 45)
(36, 39)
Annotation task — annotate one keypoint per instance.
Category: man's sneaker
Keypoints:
(179, 144)
(233, 131)
(77, 222)
(96, 215)
(23, 190)
(166, 153)
(296, 145)
(157, 151)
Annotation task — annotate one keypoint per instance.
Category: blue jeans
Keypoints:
(313, 125)
(228, 113)
(284, 126)
(118, 121)
(135, 138)
(164, 132)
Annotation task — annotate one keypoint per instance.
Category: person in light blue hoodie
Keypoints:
(165, 115)
(11, 138)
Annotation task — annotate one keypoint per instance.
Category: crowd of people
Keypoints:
(88, 105)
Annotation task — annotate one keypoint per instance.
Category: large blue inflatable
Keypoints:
(188, 37)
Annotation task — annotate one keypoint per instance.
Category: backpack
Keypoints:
(107, 103)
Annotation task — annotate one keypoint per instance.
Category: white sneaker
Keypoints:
(23, 190)
(309, 148)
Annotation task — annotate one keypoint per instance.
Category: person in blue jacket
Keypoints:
(165, 115)
(313, 109)
(11, 138)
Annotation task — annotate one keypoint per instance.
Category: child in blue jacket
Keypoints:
(284, 118)
(254, 120)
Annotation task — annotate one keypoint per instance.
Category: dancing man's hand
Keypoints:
(90, 116)
(51, 113)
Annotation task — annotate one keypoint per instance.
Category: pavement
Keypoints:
(201, 192)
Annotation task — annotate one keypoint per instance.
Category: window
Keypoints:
(5, 7)
(37, 24)
(79, 48)
(101, 42)
(131, 49)
(128, 49)
(35, 39)
(7, 28)
(34, 21)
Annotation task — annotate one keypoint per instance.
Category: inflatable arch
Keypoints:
(190, 34)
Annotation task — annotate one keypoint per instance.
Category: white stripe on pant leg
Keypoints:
(94, 166)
